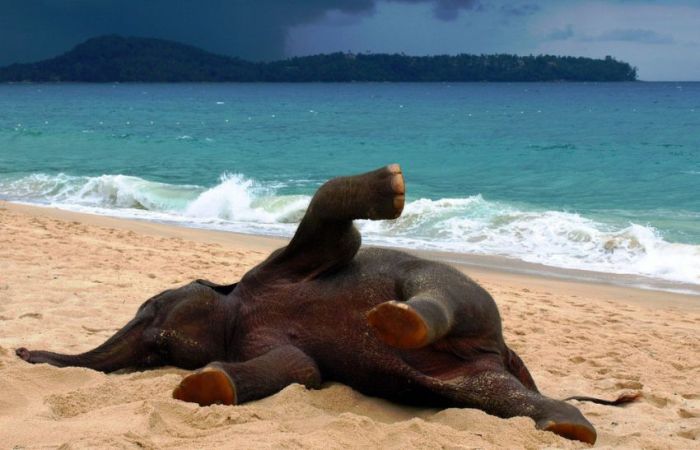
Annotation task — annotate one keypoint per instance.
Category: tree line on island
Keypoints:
(130, 59)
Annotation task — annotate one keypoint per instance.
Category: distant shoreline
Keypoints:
(60, 83)
(132, 59)
(21, 83)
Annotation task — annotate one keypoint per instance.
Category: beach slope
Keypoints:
(68, 281)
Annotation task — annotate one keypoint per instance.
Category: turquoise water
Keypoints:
(602, 177)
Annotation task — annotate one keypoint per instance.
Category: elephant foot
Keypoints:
(209, 386)
(569, 423)
(376, 195)
(398, 188)
(399, 325)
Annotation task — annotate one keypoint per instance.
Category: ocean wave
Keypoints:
(240, 199)
(235, 198)
(108, 191)
(462, 225)
(555, 238)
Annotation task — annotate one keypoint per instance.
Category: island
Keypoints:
(133, 59)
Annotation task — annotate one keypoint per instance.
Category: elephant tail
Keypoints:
(621, 400)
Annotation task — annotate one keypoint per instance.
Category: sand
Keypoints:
(68, 281)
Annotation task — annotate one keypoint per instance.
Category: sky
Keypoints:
(660, 38)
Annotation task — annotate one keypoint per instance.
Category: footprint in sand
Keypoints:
(688, 414)
(693, 434)
(656, 400)
(629, 384)
(31, 315)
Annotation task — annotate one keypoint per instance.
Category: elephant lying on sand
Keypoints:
(382, 321)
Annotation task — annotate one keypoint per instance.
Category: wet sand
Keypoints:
(68, 281)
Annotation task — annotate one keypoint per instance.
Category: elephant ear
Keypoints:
(223, 289)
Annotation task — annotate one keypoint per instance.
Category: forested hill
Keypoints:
(116, 58)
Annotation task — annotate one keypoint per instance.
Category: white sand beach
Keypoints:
(68, 281)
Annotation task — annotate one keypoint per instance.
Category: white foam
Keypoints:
(239, 199)
(474, 225)
(461, 225)
(109, 191)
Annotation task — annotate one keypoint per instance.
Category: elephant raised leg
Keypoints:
(234, 383)
(326, 239)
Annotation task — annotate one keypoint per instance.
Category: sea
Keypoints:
(599, 177)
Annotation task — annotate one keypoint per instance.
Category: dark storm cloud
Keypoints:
(446, 9)
(449, 9)
(525, 9)
(251, 29)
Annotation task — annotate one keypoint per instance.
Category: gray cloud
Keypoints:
(634, 35)
(447, 9)
(616, 35)
(561, 34)
(525, 9)
(251, 29)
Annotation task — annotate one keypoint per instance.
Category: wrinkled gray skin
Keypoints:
(381, 321)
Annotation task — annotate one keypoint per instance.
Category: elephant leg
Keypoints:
(434, 301)
(517, 368)
(326, 238)
(485, 384)
(235, 383)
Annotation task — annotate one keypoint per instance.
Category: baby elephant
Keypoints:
(381, 321)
